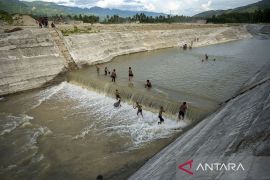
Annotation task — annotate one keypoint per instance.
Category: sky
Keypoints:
(180, 7)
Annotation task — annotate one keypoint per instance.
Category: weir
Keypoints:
(150, 99)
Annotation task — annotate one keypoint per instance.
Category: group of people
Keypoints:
(181, 113)
(185, 46)
(44, 22)
(138, 106)
(113, 75)
(206, 58)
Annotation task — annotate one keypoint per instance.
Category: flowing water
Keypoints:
(69, 131)
(178, 75)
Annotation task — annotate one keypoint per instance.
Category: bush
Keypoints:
(6, 17)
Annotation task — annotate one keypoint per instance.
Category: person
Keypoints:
(139, 107)
(206, 57)
(182, 111)
(117, 94)
(185, 46)
(202, 60)
(214, 59)
(148, 84)
(100, 177)
(161, 110)
(52, 25)
(118, 103)
(40, 22)
(98, 68)
(105, 71)
(113, 75)
(130, 74)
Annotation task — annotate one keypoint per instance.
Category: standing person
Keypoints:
(52, 25)
(98, 68)
(113, 75)
(148, 84)
(130, 74)
(105, 71)
(161, 110)
(139, 107)
(100, 177)
(206, 57)
(117, 94)
(182, 111)
(40, 22)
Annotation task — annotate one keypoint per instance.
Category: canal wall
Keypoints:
(29, 59)
(93, 48)
(33, 57)
(236, 133)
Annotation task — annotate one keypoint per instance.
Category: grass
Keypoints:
(76, 30)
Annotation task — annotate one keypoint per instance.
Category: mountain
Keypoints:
(261, 5)
(49, 8)
(210, 13)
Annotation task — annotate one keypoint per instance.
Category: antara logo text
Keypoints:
(187, 167)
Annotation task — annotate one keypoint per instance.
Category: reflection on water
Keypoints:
(68, 132)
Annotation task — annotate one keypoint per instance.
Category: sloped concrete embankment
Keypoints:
(238, 132)
(29, 59)
(104, 46)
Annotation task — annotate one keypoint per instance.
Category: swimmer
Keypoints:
(148, 84)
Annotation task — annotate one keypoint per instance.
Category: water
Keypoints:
(178, 75)
(69, 132)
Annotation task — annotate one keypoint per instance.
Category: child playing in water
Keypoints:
(117, 94)
(182, 111)
(105, 71)
(161, 110)
(148, 84)
(113, 75)
(130, 74)
(139, 107)
(118, 103)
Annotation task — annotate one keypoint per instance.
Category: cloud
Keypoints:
(206, 6)
(186, 7)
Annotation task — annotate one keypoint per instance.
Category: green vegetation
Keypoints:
(251, 8)
(260, 16)
(142, 18)
(84, 18)
(77, 30)
(6, 17)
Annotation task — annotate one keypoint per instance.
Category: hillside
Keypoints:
(49, 8)
(261, 5)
